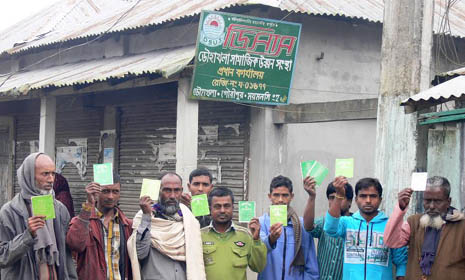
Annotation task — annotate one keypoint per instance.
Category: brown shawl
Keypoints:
(298, 259)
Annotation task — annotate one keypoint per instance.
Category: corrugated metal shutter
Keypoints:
(6, 153)
(75, 120)
(147, 145)
(27, 134)
(72, 121)
(223, 144)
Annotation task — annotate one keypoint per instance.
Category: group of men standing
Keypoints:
(165, 241)
(366, 244)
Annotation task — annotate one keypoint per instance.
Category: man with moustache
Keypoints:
(166, 243)
(99, 234)
(436, 238)
(31, 247)
(229, 249)
(366, 256)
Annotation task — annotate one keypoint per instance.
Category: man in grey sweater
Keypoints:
(30, 246)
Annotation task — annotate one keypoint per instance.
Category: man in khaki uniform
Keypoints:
(227, 248)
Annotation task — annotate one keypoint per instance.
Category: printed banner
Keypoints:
(75, 155)
(244, 59)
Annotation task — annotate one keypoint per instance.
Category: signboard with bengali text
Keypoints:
(244, 59)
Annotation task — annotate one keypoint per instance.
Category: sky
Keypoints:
(13, 11)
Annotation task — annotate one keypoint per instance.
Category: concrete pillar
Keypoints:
(267, 159)
(47, 126)
(405, 71)
(187, 130)
(462, 165)
(109, 137)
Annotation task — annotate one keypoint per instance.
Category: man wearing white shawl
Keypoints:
(31, 247)
(166, 242)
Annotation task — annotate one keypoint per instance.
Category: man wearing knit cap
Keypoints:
(30, 246)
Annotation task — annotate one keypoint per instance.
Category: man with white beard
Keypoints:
(166, 242)
(436, 238)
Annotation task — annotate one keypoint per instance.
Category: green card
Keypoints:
(103, 174)
(150, 188)
(246, 211)
(344, 167)
(199, 205)
(314, 169)
(42, 205)
(278, 214)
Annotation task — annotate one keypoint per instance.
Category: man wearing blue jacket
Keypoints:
(365, 254)
(291, 251)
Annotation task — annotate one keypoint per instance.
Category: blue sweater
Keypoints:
(365, 254)
(283, 251)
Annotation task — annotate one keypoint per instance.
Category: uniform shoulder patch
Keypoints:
(243, 230)
(239, 228)
(239, 243)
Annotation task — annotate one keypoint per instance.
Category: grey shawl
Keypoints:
(17, 256)
(45, 247)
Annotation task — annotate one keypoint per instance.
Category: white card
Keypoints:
(419, 181)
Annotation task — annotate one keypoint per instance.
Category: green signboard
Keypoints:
(244, 59)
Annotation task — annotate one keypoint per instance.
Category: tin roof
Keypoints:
(460, 71)
(164, 62)
(450, 90)
(73, 19)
